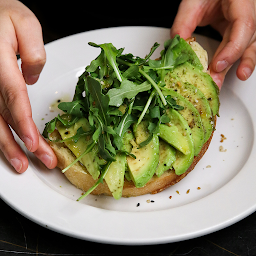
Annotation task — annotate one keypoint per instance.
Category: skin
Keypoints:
(21, 33)
(236, 22)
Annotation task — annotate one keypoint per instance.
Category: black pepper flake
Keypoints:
(67, 132)
(58, 101)
(138, 204)
(152, 201)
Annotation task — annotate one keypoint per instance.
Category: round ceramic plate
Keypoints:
(219, 192)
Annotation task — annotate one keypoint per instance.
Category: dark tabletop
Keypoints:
(20, 236)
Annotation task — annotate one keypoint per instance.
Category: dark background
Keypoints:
(19, 236)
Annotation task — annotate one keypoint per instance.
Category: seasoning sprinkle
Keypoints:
(198, 188)
(221, 149)
(177, 191)
(222, 138)
(188, 191)
(138, 204)
(170, 197)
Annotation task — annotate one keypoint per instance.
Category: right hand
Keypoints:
(20, 33)
(236, 22)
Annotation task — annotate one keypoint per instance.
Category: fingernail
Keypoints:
(221, 65)
(17, 164)
(31, 79)
(247, 72)
(28, 142)
(46, 159)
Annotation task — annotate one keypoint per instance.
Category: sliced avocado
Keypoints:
(192, 116)
(197, 98)
(91, 160)
(166, 157)
(182, 162)
(184, 48)
(203, 81)
(143, 167)
(115, 175)
(174, 136)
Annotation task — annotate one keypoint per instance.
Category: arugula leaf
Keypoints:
(131, 73)
(127, 90)
(104, 153)
(152, 50)
(80, 88)
(111, 53)
(49, 127)
(101, 101)
(75, 108)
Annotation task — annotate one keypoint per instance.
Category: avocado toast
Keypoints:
(135, 125)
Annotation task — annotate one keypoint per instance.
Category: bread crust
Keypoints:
(79, 177)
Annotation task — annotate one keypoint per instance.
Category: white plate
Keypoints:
(227, 179)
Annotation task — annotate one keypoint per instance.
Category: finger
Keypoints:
(46, 154)
(11, 149)
(185, 24)
(14, 93)
(247, 63)
(31, 46)
(237, 36)
(219, 77)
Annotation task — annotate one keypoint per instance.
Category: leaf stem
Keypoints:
(102, 176)
(154, 85)
(89, 148)
(146, 107)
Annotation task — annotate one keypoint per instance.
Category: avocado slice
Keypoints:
(192, 116)
(183, 161)
(174, 136)
(197, 98)
(143, 167)
(91, 160)
(166, 157)
(115, 175)
(203, 81)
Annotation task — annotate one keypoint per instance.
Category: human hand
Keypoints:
(20, 32)
(235, 20)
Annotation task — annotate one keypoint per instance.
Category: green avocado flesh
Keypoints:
(115, 176)
(197, 98)
(183, 161)
(203, 81)
(91, 160)
(128, 142)
(193, 118)
(143, 167)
